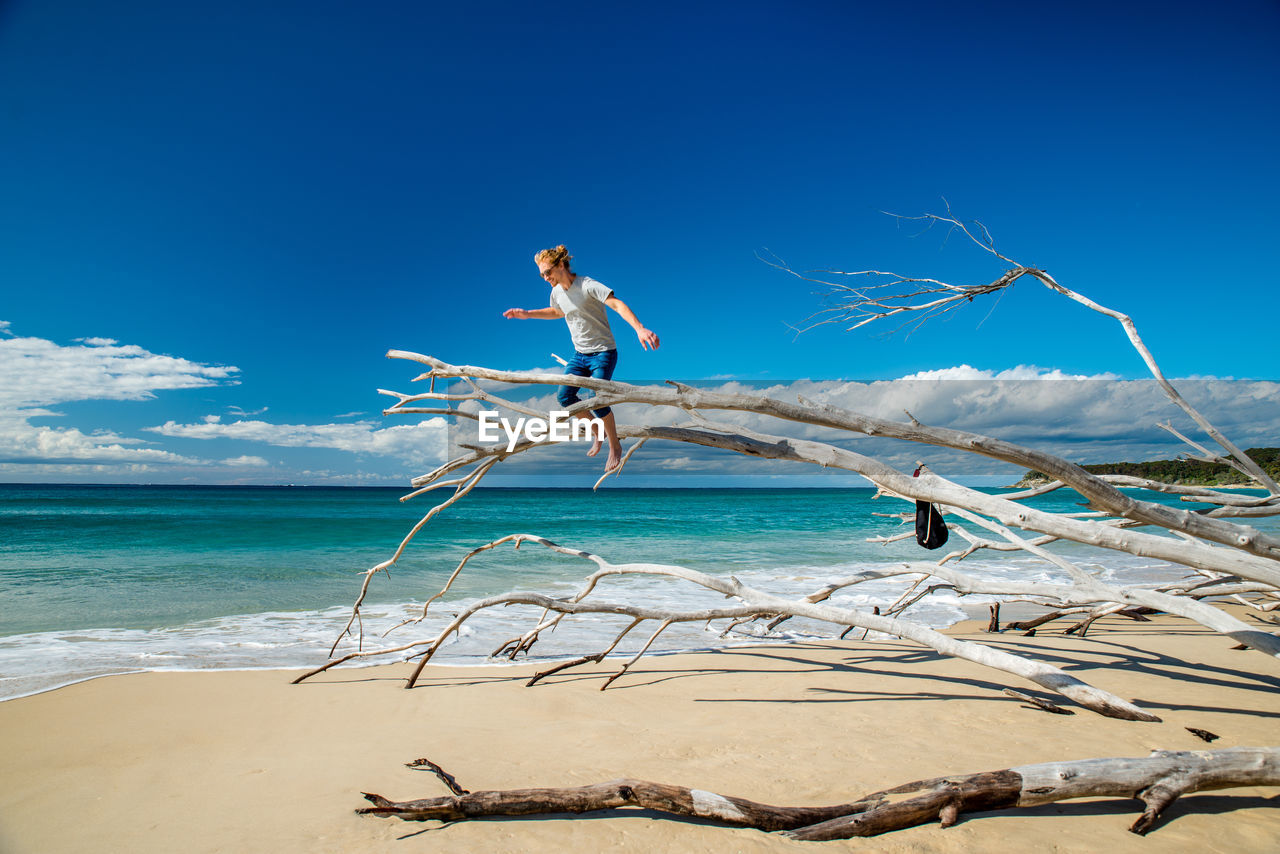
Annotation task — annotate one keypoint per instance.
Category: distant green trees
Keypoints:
(1185, 472)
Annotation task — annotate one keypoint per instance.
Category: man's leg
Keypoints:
(615, 447)
(567, 395)
(579, 366)
(595, 439)
(602, 368)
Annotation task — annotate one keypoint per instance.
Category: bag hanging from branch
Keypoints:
(931, 531)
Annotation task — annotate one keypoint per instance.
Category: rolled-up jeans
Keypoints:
(599, 365)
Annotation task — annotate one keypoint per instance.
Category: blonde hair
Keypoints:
(554, 257)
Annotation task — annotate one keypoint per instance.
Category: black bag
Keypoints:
(931, 531)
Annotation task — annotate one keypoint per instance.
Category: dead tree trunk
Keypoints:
(1157, 780)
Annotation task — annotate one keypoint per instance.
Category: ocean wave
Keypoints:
(31, 663)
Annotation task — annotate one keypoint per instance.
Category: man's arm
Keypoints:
(548, 313)
(648, 338)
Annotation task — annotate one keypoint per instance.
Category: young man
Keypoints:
(581, 301)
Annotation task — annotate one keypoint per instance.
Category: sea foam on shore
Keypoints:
(39, 661)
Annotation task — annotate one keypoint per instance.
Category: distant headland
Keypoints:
(1183, 472)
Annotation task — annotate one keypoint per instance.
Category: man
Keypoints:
(581, 301)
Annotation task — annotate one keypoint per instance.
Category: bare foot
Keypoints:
(595, 449)
(614, 461)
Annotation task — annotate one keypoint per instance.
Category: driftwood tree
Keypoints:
(1157, 780)
(1227, 557)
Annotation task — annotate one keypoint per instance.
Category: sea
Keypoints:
(100, 580)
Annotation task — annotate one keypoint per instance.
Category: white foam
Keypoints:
(32, 663)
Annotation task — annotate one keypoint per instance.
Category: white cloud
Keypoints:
(246, 462)
(418, 444)
(36, 374)
(23, 443)
(348, 478)
(113, 472)
(1021, 372)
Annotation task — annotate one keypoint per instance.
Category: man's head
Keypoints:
(553, 265)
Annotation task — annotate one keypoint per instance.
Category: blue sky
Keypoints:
(254, 202)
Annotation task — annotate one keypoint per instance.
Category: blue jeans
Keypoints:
(599, 365)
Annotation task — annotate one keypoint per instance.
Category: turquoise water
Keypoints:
(104, 579)
(75, 557)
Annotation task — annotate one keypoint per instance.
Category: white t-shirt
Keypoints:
(585, 312)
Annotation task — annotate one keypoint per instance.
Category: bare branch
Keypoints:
(1101, 494)
(933, 298)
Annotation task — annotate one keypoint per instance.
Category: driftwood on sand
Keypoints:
(1224, 559)
(1157, 781)
(1216, 554)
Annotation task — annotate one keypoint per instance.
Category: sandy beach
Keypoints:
(245, 761)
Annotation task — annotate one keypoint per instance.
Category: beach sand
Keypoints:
(246, 762)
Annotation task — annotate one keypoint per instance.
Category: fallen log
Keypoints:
(660, 797)
(1031, 625)
(1157, 780)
